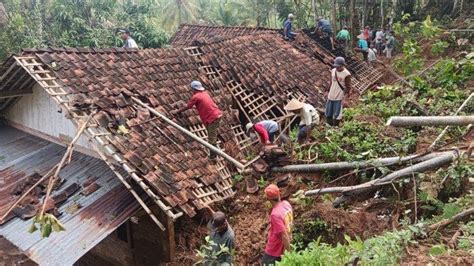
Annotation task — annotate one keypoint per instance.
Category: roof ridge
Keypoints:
(226, 26)
(79, 50)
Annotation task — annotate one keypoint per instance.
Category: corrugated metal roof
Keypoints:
(102, 212)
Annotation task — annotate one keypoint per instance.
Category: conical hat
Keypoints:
(293, 105)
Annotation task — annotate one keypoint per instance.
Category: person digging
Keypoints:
(208, 111)
(309, 117)
(281, 223)
(266, 130)
(339, 87)
(221, 235)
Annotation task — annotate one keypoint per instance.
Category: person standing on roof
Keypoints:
(266, 130)
(339, 87)
(362, 46)
(281, 224)
(343, 38)
(222, 236)
(208, 111)
(308, 118)
(287, 26)
(324, 27)
(125, 36)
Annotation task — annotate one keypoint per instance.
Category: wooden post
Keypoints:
(409, 121)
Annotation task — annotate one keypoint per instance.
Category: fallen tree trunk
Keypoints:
(430, 164)
(411, 121)
(339, 166)
(456, 218)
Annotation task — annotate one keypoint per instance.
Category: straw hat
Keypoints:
(361, 36)
(293, 105)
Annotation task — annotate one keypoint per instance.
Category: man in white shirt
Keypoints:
(379, 38)
(372, 55)
(308, 118)
(339, 87)
(129, 42)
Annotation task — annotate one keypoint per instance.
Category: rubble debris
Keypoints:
(93, 187)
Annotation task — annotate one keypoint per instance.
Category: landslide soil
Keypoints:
(248, 216)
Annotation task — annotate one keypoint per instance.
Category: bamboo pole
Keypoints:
(63, 162)
(430, 164)
(441, 135)
(339, 166)
(456, 218)
(410, 121)
(191, 135)
(129, 188)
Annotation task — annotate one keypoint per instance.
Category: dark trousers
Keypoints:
(212, 129)
(272, 135)
(268, 260)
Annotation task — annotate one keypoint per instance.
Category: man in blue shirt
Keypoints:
(362, 46)
(324, 26)
(287, 33)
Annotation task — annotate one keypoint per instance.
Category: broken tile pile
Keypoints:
(32, 202)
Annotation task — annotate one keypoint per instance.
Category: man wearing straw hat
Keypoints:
(308, 118)
(339, 87)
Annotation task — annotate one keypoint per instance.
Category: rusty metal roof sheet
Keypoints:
(102, 212)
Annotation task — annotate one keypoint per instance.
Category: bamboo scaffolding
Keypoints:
(129, 188)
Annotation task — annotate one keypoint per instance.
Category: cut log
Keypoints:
(430, 164)
(412, 121)
(441, 135)
(339, 166)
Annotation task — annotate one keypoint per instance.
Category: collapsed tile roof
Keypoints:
(305, 41)
(254, 75)
(23, 156)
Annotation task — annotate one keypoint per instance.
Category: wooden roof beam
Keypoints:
(17, 93)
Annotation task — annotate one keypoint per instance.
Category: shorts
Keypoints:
(302, 133)
(334, 109)
(271, 136)
(268, 260)
(327, 30)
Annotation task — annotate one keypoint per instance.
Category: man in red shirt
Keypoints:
(208, 111)
(266, 130)
(281, 223)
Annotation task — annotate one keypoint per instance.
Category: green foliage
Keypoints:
(47, 223)
(428, 29)
(207, 253)
(466, 241)
(385, 249)
(262, 183)
(307, 231)
(457, 173)
(439, 47)
(237, 178)
(437, 250)
(411, 60)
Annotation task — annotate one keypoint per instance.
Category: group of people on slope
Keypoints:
(370, 42)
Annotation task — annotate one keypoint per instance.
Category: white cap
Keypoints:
(291, 15)
(248, 126)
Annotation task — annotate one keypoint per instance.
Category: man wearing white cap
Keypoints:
(125, 36)
(208, 111)
(266, 130)
(287, 25)
(308, 118)
(339, 87)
